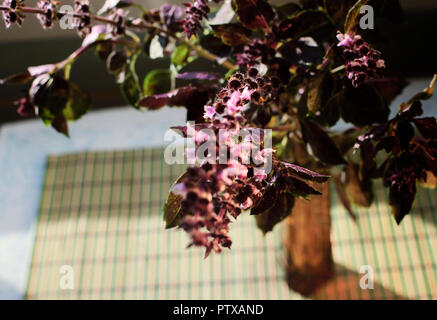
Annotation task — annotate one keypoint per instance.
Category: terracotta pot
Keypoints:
(308, 243)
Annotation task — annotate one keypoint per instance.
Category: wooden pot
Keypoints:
(308, 243)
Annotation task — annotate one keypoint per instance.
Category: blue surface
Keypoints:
(24, 148)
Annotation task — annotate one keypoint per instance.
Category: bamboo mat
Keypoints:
(100, 214)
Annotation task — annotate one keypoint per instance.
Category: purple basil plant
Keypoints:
(296, 69)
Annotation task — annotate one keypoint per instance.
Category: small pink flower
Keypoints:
(345, 40)
(242, 172)
(246, 93)
(180, 189)
(380, 63)
(242, 151)
(191, 155)
(260, 173)
(209, 112)
(261, 155)
(201, 137)
(224, 176)
(247, 203)
(233, 102)
(191, 130)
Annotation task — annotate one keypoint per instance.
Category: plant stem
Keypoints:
(143, 25)
(72, 57)
(338, 69)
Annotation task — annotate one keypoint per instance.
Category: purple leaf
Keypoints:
(321, 143)
(254, 14)
(388, 88)
(413, 110)
(190, 97)
(282, 208)
(267, 201)
(299, 188)
(427, 127)
(232, 34)
(303, 173)
(19, 78)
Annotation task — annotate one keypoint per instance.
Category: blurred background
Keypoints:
(93, 201)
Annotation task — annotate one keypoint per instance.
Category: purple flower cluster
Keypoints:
(362, 61)
(216, 191)
(119, 17)
(49, 16)
(194, 14)
(253, 53)
(243, 89)
(82, 23)
(12, 16)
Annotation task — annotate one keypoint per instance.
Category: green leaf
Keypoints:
(157, 81)
(58, 100)
(130, 87)
(116, 61)
(254, 14)
(103, 50)
(232, 34)
(319, 92)
(172, 207)
(337, 9)
(352, 16)
(180, 55)
(50, 95)
(78, 103)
